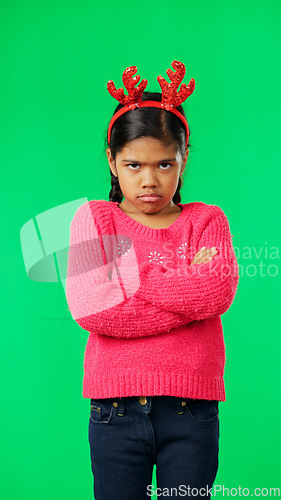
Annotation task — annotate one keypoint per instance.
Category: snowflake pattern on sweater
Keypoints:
(124, 246)
(182, 250)
(156, 257)
(160, 258)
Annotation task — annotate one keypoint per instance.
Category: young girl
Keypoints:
(149, 278)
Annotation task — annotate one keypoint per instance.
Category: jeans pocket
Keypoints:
(202, 411)
(101, 411)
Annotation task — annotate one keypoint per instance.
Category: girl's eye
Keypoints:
(168, 165)
(133, 165)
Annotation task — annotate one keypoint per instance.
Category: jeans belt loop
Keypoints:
(121, 407)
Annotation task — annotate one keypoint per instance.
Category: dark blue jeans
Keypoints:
(129, 435)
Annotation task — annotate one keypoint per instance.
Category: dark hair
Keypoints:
(140, 122)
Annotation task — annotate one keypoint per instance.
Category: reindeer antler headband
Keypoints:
(171, 98)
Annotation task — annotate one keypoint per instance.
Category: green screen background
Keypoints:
(56, 58)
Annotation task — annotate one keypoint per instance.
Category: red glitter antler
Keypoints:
(134, 93)
(170, 96)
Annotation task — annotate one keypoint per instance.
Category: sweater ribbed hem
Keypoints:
(137, 383)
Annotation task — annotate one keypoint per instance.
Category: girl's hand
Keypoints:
(204, 255)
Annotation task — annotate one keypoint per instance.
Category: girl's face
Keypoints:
(147, 166)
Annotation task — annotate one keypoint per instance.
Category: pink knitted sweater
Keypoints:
(154, 320)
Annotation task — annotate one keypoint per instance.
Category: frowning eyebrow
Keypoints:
(160, 161)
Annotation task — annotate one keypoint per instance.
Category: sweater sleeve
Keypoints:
(197, 291)
(102, 278)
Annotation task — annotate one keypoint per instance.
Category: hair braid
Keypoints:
(177, 195)
(115, 193)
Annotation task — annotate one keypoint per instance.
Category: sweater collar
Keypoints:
(149, 232)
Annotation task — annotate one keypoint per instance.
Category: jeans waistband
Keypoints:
(144, 403)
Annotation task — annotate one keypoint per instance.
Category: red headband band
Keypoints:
(170, 97)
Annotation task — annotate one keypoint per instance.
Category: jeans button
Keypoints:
(142, 400)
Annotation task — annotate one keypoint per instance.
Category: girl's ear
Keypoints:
(111, 162)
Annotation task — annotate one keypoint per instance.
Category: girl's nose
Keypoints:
(149, 178)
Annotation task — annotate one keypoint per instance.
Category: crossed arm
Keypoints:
(201, 291)
(123, 299)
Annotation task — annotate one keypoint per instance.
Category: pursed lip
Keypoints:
(151, 195)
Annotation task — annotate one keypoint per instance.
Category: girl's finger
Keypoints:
(198, 255)
(203, 256)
